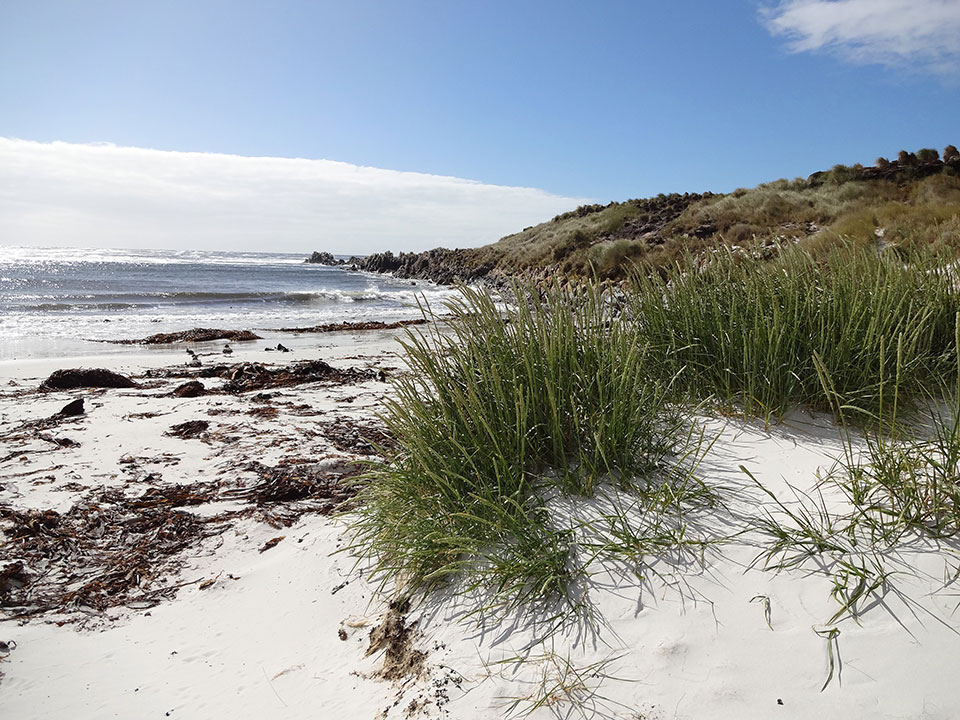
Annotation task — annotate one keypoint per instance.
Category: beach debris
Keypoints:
(115, 547)
(356, 438)
(193, 388)
(72, 408)
(264, 412)
(86, 378)
(189, 429)
(353, 326)
(252, 376)
(340, 465)
(175, 496)
(208, 583)
(107, 550)
(289, 490)
(58, 441)
(272, 543)
(246, 377)
(12, 577)
(290, 482)
(396, 638)
(194, 335)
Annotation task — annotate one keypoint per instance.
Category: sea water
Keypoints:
(66, 301)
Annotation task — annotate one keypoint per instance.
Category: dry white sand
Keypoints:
(284, 632)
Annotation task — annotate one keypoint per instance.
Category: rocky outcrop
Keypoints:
(658, 229)
(445, 267)
(439, 265)
(898, 171)
(323, 258)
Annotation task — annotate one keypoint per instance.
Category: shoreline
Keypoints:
(62, 304)
(52, 349)
(265, 614)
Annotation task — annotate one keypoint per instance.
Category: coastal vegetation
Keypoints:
(759, 335)
(501, 415)
(539, 438)
(908, 202)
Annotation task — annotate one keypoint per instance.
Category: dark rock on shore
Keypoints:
(72, 409)
(86, 378)
(194, 388)
(254, 376)
(189, 429)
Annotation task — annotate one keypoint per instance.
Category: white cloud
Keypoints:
(918, 34)
(101, 195)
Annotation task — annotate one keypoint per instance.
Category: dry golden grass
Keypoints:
(608, 241)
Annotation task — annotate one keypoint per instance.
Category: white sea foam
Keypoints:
(18, 255)
(57, 296)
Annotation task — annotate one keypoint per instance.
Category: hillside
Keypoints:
(913, 200)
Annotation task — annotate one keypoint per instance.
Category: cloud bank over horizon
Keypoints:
(920, 35)
(103, 195)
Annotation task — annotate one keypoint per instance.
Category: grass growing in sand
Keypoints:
(894, 491)
(536, 442)
(500, 415)
(746, 331)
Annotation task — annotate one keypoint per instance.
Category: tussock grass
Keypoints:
(747, 331)
(540, 444)
(498, 413)
(908, 485)
(780, 208)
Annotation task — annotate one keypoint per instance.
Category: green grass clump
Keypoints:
(498, 413)
(539, 443)
(746, 331)
(906, 479)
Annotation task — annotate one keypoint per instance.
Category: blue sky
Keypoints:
(599, 101)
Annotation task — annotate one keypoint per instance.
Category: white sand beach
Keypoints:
(263, 612)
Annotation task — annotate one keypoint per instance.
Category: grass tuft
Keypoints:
(750, 332)
(498, 413)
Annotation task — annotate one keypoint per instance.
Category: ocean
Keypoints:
(61, 301)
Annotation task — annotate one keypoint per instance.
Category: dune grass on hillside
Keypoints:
(820, 215)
